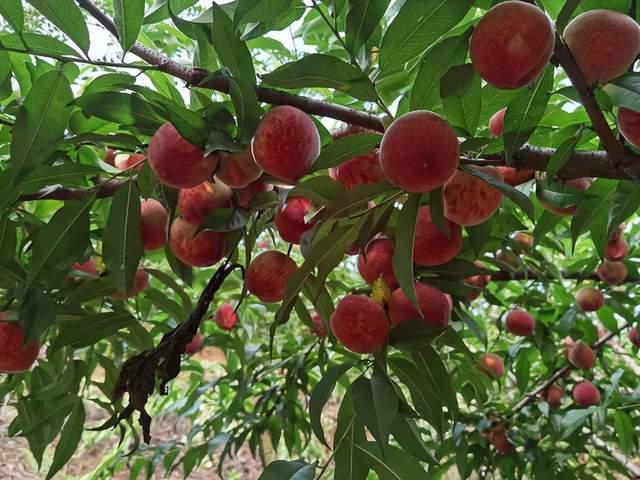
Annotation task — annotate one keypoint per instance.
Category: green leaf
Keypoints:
(128, 17)
(406, 433)
(225, 220)
(5, 67)
(255, 11)
(522, 370)
(245, 101)
(625, 202)
(346, 148)
(66, 174)
(63, 240)
(320, 70)
(91, 329)
(427, 360)
(37, 313)
(413, 335)
(594, 206)
(573, 420)
(121, 108)
(232, 51)
(563, 154)
(122, 240)
(283, 470)
(362, 20)
(69, 439)
(565, 14)
(417, 26)
(12, 12)
(350, 463)
(396, 464)
(624, 430)
(171, 283)
(624, 91)
(65, 15)
(110, 82)
(461, 92)
(35, 44)
(343, 204)
(403, 249)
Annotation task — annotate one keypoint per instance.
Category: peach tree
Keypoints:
(418, 215)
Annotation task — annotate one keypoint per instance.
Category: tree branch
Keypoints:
(58, 192)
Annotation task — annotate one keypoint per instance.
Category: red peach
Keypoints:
(88, 267)
(360, 324)
(237, 169)
(226, 318)
(499, 439)
(520, 323)
(153, 224)
(433, 306)
(176, 162)
(590, 299)
(197, 202)
(617, 233)
(286, 143)
(15, 356)
(514, 177)
(110, 157)
(496, 122)
(431, 246)
(616, 250)
(195, 345)
(449, 301)
(586, 394)
(629, 125)
(378, 262)
(634, 337)
(612, 273)
(604, 43)
(581, 356)
(491, 365)
(524, 239)
(140, 283)
(290, 219)
(201, 249)
(419, 152)
(580, 184)
(360, 170)
(268, 275)
(512, 44)
(318, 329)
(125, 162)
(246, 195)
(553, 395)
(469, 200)
(508, 257)
(478, 281)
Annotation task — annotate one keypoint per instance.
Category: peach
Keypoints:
(581, 356)
(419, 152)
(469, 200)
(125, 162)
(286, 143)
(195, 345)
(247, 194)
(553, 395)
(449, 301)
(197, 202)
(589, 299)
(201, 249)
(615, 235)
(520, 323)
(586, 394)
(268, 275)
(616, 250)
(88, 267)
(478, 281)
(581, 184)
(176, 162)
(514, 177)
(15, 356)
(604, 43)
(431, 246)
(226, 318)
(434, 306)
(508, 257)
(612, 273)
(360, 324)
(629, 125)
(318, 329)
(290, 219)
(378, 262)
(153, 224)
(140, 283)
(237, 169)
(359, 170)
(634, 337)
(491, 365)
(496, 123)
(110, 157)
(500, 440)
(524, 239)
(512, 44)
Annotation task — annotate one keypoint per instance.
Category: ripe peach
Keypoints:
(226, 318)
(581, 356)
(496, 122)
(586, 394)
(197, 202)
(319, 330)
(237, 169)
(360, 324)
(268, 275)
(377, 262)
(612, 273)
(634, 337)
(286, 143)
(499, 439)
(478, 281)
(615, 235)
(449, 301)
(201, 249)
(110, 157)
(589, 299)
(15, 356)
(512, 44)
(431, 246)
(469, 200)
(491, 365)
(604, 43)
(290, 219)
(176, 162)
(88, 267)
(126, 162)
(153, 224)
(580, 184)
(195, 345)
(359, 170)
(419, 152)
(141, 282)
(433, 306)
(629, 125)
(246, 194)
(514, 177)
(524, 239)
(520, 323)
(554, 395)
(616, 250)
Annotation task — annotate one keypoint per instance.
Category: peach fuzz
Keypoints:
(496, 123)
(589, 299)
(431, 246)
(514, 177)
(15, 356)
(581, 355)
(360, 324)
(434, 306)
(492, 365)
(318, 329)
(124, 162)
(634, 337)
(195, 345)
(581, 184)
(604, 43)
(468, 200)
(512, 44)
(586, 394)
(197, 202)
(226, 318)
(616, 250)
(286, 143)
(419, 152)
(378, 262)
(201, 249)
(629, 125)
(612, 273)
(237, 169)
(290, 220)
(247, 194)
(268, 275)
(520, 323)
(153, 224)
(140, 283)
(176, 162)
